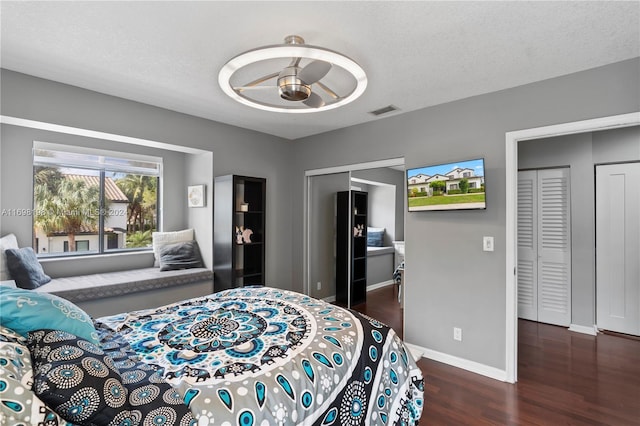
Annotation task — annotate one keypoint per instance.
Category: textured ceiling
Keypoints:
(416, 54)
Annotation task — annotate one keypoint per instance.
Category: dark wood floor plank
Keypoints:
(565, 378)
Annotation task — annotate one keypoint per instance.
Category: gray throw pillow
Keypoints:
(25, 269)
(180, 256)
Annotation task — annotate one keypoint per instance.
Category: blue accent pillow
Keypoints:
(24, 311)
(375, 237)
(25, 269)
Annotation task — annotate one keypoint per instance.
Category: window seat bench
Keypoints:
(115, 292)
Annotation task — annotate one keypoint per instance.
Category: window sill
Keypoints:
(62, 257)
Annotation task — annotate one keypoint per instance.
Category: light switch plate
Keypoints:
(487, 243)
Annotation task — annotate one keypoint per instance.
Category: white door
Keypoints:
(527, 245)
(618, 247)
(544, 246)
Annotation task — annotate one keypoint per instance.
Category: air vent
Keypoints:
(384, 110)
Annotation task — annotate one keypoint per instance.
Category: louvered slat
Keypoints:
(554, 288)
(553, 213)
(526, 213)
(526, 287)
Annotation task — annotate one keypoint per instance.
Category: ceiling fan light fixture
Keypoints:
(289, 85)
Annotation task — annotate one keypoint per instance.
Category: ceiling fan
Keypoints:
(294, 83)
(299, 86)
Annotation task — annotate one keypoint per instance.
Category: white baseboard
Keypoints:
(465, 364)
(592, 331)
(380, 285)
(416, 351)
(331, 299)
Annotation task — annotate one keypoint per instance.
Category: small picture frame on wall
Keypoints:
(196, 196)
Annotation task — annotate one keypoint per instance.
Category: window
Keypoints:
(112, 241)
(82, 245)
(93, 201)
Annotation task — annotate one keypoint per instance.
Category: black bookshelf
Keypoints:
(351, 247)
(239, 258)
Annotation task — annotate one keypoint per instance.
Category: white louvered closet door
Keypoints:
(544, 239)
(554, 247)
(527, 246)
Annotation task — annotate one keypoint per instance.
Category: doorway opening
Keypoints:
(319, 217)
(511, 181)
(545, 245)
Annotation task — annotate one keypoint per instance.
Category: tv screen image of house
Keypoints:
(450, 186)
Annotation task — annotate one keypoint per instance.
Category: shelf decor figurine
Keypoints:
(238, 235)
(246, 235)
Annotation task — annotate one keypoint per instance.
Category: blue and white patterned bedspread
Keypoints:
(263, 356)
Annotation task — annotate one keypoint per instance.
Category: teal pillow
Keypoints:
(24, 311)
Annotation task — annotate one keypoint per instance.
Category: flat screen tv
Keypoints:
(449, 186)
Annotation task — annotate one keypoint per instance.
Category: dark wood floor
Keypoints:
(565, 378)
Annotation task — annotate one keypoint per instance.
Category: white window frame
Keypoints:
(102, 165)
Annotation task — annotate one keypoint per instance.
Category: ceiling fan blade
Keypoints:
(330, 92)
(314, 101)
(246, 88)
(314, 71)
(259, 80)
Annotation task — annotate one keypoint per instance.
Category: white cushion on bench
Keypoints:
(96, 286)
(378, 251)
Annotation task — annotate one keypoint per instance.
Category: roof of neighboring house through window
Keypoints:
(111, 190)
(89, 230)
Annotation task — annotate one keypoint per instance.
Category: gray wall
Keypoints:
(234, 150)
(199, 170)
(450, 281)
(382, 211)
(581, 152)
(617, 145)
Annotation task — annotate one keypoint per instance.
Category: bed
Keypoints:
(250, 356)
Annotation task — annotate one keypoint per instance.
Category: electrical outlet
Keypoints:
(457, 334)
(319, 286)
(487, 243)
